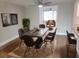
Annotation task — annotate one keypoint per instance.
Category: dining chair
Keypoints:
(30, 43)
(71, 38)
(71, 44)
(50, 37)
(26, 29)
(38, 43)
(41, 26)
(51, 24)
(21, 32)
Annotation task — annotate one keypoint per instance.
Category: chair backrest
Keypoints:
(20, 32)
(26, 29)
(41, 26)
(28, 40)
(67, 35)
(51, 22)
(66, 31)
(54, 34)
(38, 43)
(70, 34)
(70, 40)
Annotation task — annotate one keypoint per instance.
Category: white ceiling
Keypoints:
(19, 2)
(58, 1)
(31, 2)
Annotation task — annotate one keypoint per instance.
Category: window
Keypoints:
(49, 15)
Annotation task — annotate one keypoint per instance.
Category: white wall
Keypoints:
(76, 23)
(9, 32)
(41, 15)
(76, 15)
(35, 14)
(47, 8)
(65, 17)
(32, 12)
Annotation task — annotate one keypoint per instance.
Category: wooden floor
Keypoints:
(60, 49)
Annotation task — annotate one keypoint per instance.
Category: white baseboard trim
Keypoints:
(61, 33)
(7, 41)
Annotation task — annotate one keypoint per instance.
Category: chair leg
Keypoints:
(45, 44)
(36, 51)
(28, 49)
(20, 43)
(30, 52)
(25, 52)
(51, 46)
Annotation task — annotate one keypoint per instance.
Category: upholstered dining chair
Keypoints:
(38, 43)
(50, 37)
(20, 32)
(26, 29)
(71, 44)
(71, 38)
(28, 42)
(31, 43)
(51, 24)
(41, 26)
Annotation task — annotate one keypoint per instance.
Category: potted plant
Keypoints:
(26, 23)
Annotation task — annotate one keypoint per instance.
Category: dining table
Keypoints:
(37, 33)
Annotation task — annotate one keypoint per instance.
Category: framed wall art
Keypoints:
(5, 19)
(14, 19)
(9, 19)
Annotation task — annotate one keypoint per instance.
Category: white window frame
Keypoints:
(51, 17)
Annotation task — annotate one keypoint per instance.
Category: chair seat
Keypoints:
(48, 37)
(47, 40)
(73, 38)
(72, 41)
(34, 39)
(51, 34)
(71, 34)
